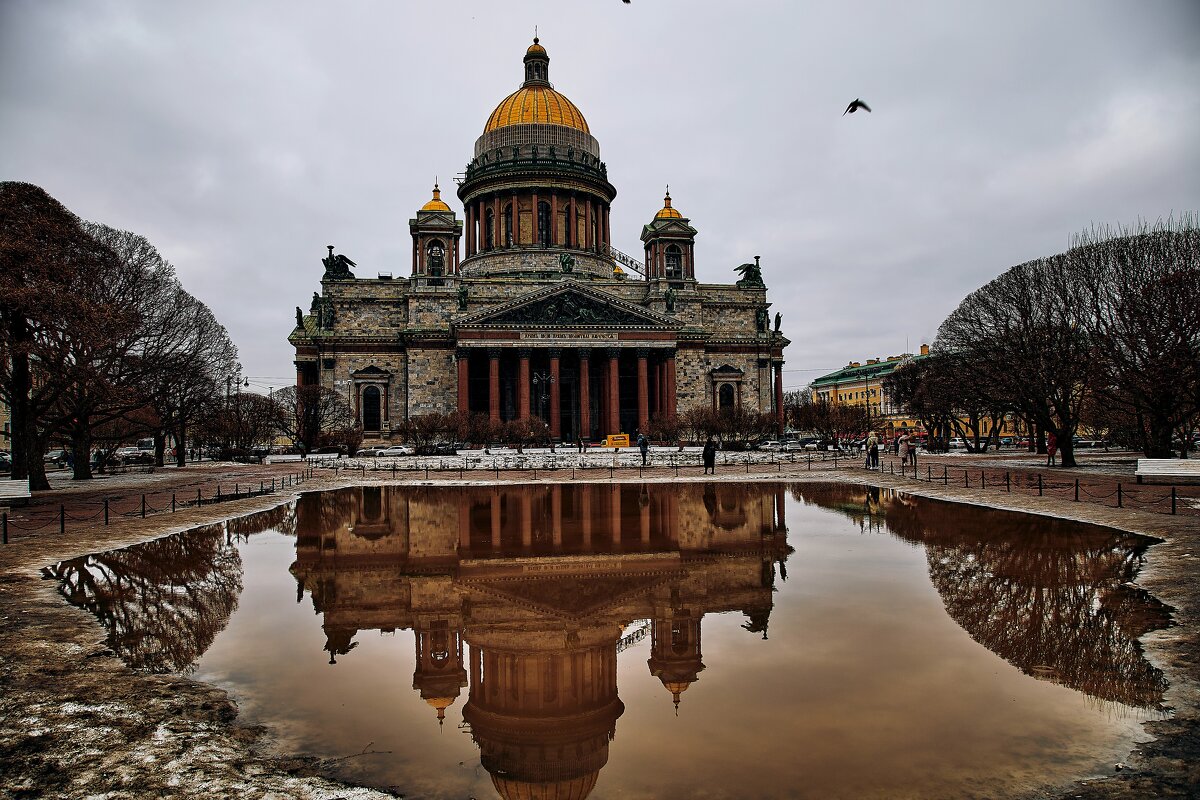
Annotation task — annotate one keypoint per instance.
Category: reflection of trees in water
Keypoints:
(282, 518)
(162, 602)
(1050, 596)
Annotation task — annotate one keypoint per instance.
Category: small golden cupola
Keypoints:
(667, 212)
(436, 204)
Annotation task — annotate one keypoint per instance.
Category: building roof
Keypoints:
(536, 103)
(850, 375)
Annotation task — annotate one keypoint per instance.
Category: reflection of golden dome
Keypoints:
(667, 212)
(436, 204)
(573, 789)
(538, 105)
(441, 704)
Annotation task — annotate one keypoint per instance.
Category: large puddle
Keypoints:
(661, 640)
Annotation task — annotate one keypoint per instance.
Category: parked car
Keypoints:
(956, 443)
(448, 448)
(770, 445)
(395, 450)
(369, 452)
(57, 458)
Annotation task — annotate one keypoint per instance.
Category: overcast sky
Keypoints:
(241, 138)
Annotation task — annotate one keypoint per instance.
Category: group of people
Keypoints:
(906, 448)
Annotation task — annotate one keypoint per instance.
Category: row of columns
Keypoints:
(665, 387)
(595, 235)
(658, 516)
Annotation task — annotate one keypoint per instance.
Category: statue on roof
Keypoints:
(337, 267)
(670, 296)
(778, 321)
(299, 318)
(760, 320)
(751, 274)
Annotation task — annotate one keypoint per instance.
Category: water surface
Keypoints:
(654, 640)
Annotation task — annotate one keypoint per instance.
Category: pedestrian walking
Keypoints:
(873, 451)
(710, 457)
(644, 446)
(913, 444)
(902, 448)
(1051, 449)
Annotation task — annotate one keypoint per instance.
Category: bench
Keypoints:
(12, 491)
(1168, 468)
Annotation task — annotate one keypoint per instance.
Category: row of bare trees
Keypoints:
(1104, 336)
(99, 343)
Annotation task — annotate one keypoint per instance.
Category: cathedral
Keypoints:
(522, 307)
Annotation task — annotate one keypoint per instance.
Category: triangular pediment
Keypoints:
(726, 369)
(568, 306)
(371, 371)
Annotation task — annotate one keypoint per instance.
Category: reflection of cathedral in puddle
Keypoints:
(541, 581)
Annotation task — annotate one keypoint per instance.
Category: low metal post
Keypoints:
(1172, 499)
(928, 474)
(272, 484)
(982, 479)
(945, 476)
(426, 472)
(4, 525)
(106, 511)
(260, 487)
(172, 502)
(966, 479)
(1007, 484)
(1077, 490)
(199, 500)
(62, 518)
(1119, 505)
(218, 492)
(1039, 484)
(143, 506)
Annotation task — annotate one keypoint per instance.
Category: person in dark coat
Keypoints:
(644, 446)
(710, 457)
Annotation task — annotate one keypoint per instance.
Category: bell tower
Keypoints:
(435, 233)
(670, 244)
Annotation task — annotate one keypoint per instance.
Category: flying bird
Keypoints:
(855, 106)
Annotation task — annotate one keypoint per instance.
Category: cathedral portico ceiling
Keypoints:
(567, 596)
(568, 306)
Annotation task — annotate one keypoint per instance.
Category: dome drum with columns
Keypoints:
(525, 281)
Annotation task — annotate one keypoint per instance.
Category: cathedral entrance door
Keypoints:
(370, 409)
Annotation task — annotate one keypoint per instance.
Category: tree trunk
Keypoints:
(81, 449)
(22, 416)
(181, 445)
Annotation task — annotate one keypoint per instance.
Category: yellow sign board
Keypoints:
(616, 440)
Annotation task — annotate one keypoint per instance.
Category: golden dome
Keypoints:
(436, 204)
(667, 212)
(536, 105)
(441, 704)
(536, 49)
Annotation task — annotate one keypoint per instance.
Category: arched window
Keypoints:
(489, 229)
(674, 261)
(437, 257)
(725, 395)
(543, 223)
(507, 225)
(370, 409)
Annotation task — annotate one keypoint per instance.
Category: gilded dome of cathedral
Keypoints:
(536, 102)
(536, 105)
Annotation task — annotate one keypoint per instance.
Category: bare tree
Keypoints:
(1024, 336)
(307, 412)
(1140, 289)
(47, 264)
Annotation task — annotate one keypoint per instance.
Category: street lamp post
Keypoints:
(541, 384)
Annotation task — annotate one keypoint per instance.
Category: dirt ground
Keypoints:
(76, 722)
